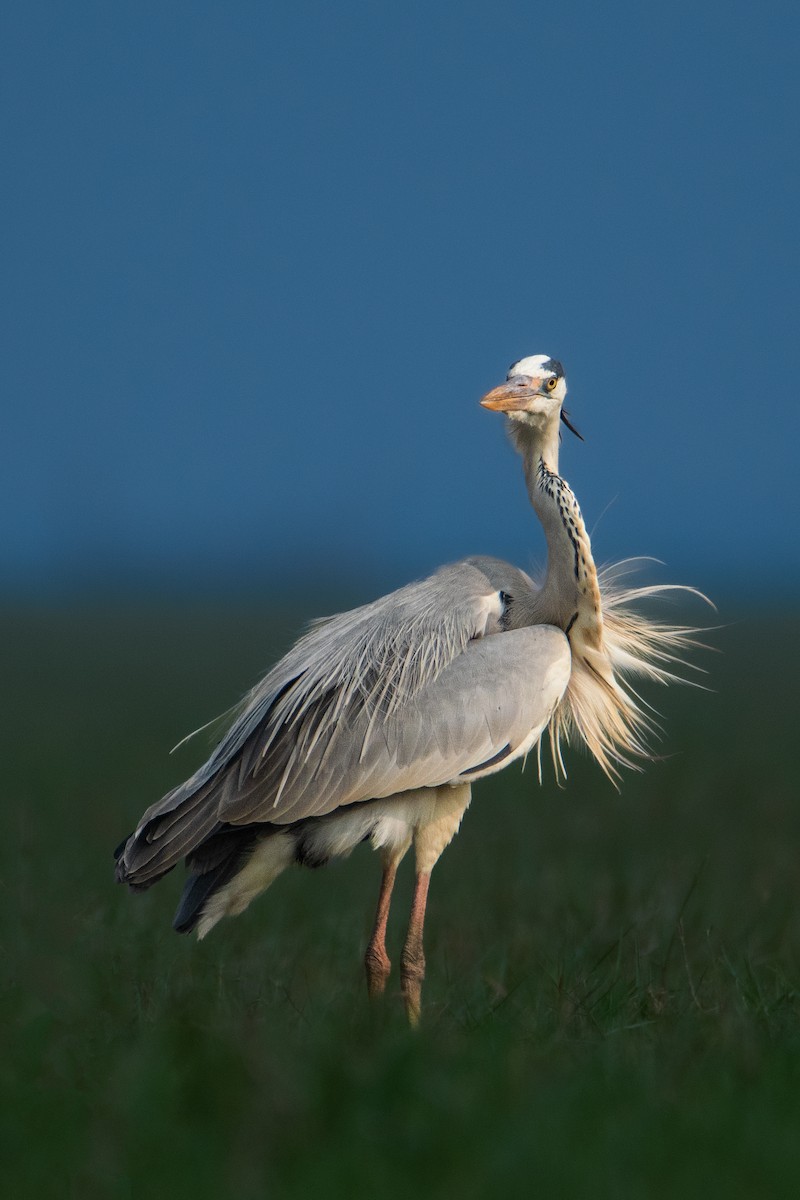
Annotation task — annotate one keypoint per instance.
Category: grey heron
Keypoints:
(377, 722)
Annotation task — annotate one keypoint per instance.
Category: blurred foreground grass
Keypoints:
(613, 992)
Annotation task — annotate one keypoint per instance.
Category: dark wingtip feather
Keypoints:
(196, 891)
(120, 849)
(214, 864)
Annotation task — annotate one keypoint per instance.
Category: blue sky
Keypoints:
(261, 260)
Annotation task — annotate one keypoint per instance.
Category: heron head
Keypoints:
(533, 393)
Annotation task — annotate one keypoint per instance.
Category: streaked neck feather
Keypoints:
(610, 641)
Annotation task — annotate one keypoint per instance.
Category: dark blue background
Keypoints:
(261, 260)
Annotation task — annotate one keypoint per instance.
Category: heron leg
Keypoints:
(431, 838)
(412, 963)
(376, 960)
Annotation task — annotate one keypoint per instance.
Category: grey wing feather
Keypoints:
(497, 696)
(310, 735)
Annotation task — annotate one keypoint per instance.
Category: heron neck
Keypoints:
(570, 595)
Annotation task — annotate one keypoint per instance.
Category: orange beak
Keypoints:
(509, 397)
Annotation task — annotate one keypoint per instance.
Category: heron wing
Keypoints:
(305, 741)
(489, 706)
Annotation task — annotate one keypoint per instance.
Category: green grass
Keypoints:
(612, 1005)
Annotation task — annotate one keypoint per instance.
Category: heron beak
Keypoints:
(509, 397)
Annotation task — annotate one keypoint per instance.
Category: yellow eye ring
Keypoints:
(551, 383)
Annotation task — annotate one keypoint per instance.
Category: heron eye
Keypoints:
(551, 383)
